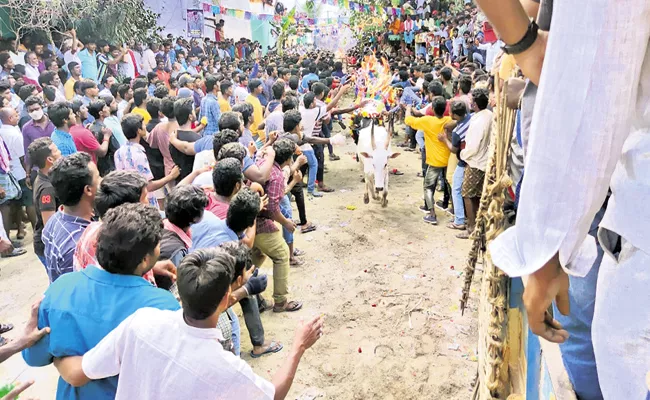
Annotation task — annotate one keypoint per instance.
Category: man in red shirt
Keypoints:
(83, 138)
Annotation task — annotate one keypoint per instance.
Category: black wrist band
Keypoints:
(525, 42)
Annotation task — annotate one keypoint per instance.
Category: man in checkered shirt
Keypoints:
(75, 179)
(268, 239)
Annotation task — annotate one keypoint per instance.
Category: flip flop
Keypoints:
(463, 235)
(263, 304)
(397, 172)
(3, 341)
(17, 251)
(298, 253)
(326, 189)
(6, 328)
(308, 229)
(273, 348)
(290, 306)
(296, 262)
(451, 225)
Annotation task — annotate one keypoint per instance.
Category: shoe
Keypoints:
(315, 194)
(424, 209)
(441, 206)
(429, 219)
(334, 157)
(341, 124)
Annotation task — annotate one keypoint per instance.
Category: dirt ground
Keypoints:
(387, 283)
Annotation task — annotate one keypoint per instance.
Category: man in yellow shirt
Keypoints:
(75, 72)
(140, 102)
(436, 154)
(224, 96)
(256, 88)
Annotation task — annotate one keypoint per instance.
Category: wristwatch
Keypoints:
(525, 42)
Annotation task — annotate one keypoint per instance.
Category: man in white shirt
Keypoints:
(149, 59)
(13, 139)
(193, 361)
(241, 91)
(73, 53)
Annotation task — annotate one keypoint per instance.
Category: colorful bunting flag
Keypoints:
(216, 10)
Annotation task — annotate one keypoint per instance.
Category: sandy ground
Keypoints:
(382, 278)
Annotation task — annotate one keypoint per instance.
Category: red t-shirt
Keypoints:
(215, 206)
(85, 141)
(429, 110)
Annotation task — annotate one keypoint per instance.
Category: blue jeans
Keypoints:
(312, 162)
(43, 260)
(456, 197)
(285, 209)
(236, 332)
(578, 350)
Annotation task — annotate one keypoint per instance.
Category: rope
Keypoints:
(493, 365)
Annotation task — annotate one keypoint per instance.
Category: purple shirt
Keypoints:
(32, 132)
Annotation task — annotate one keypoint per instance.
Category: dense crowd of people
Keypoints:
(166, 172)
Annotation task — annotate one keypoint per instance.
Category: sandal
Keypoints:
(20, 235)
(6, 328)
(396, 172)
(296, 262)
(452, 225)
(263, 304)
(420, 175)
(308, 228)
(298, 253)
(463, 235)
(273, 348)
(17, 251)
(287, 306)
(326, 189)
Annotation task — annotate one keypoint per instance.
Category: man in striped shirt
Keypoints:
(460, 114)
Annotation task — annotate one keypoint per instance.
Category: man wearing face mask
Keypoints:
(37, 127)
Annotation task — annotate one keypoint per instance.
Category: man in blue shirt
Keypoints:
(75, 179)
(63, 118)
(88, 58)
(210, 106)
(82, 307)
(309, 78)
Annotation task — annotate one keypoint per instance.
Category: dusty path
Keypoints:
(381, 277)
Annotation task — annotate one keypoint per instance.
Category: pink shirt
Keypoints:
(216, 207)
(85, 141)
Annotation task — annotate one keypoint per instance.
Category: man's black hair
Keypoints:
(439, 106)
(95, 107)
(459, 108)
(26, 91)
(243, 210)
(69, 176)
(242, 255)
(278, 90)
(246, 111)
(229, 120)
(226, 175)
(139, 96)
(39, 150)
(140, 83)
(312, 68)
(465, 84)
(211, 82)
(160, 92)
(254, 84)
(292, 119)
(59, 114)
(204, 277)
(435, 88)
(46, 78)
(318, 88)
(225, 85)
(445, 73)
(309, 99)
(117, 188)
(284, 149)
(289, 103)
(183, 109)
(294, 82)
(167, 106)
(131, 124)
(128, 234)
(122, 90)
(86, 84)
(243, 78)
(4, 85)
(153, 107)
(185, 205)
(49, 92)
(232, 150)
(481, 98)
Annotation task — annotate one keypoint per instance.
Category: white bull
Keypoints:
(374, 147)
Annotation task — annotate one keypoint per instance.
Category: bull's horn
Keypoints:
(372, 135)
